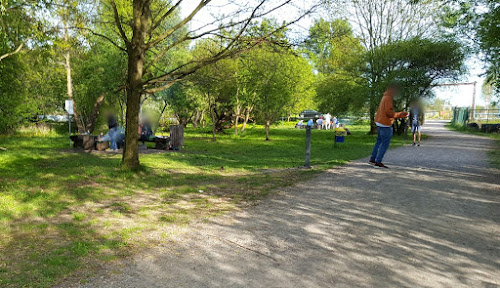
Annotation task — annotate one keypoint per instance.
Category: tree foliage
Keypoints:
(477, 24)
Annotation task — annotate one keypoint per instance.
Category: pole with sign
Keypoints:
(68, 106)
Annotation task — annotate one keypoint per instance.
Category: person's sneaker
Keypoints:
(380, 165)
(418, 144)
(413, 144)
(371, 162)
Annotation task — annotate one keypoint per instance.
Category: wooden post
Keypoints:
(177, 136)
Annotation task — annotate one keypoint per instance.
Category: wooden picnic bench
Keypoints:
(161, 142)
(90, 142)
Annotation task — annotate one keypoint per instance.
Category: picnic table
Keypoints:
(90, 142)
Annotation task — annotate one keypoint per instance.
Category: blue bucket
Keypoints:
(339, 139)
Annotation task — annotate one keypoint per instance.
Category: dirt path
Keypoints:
(433, 220)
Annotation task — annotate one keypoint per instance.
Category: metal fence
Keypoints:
(464, 115)
(486, 115)
(433, 114)
(461, 115)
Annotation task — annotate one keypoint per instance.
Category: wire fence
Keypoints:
(486, 115)
(466, 115)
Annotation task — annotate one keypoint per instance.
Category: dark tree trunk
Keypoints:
(373, 127)
(268, 124)
(136, 55)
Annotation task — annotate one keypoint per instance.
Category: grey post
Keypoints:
(308, 147)
(69, 122)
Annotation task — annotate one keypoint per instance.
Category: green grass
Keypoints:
(61, 210)
(491, 121)
(493, 154)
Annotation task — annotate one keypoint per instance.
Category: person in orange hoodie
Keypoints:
(384, 119)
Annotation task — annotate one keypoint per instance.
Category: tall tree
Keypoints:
(18, 25)
(379, 23)
(332, 46)
(337, 54)
(477, 24)
(417, 65)
(145, 39)
(283, 79)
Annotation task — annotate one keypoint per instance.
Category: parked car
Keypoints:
(310, 114)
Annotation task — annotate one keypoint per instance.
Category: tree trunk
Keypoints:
(143, 100)
(268, 123)
(196, 119)
(92, 121)
(212, 114)
(159, 117)
(213, 125)
(136, 56)
(121, 102)
(373, 127)
(237, 112)
(236, 119)
(247, 116)
(202, 118)
(69, 80)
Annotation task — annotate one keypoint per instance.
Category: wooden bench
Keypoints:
(87, 142)
(90, 142)
(161, 142)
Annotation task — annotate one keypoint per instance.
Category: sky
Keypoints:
(456, 95)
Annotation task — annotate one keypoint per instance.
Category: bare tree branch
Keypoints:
(18, 49)
(162, 18)
(119, 24)
(179, 73)
(170, 31)
(105, 37)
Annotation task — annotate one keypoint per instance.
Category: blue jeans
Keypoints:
(114, 135)
(384, 135)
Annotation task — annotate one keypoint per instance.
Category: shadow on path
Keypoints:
(432, 220)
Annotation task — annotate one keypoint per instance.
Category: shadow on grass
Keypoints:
(59, 208)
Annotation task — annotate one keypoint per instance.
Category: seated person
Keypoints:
(146, 131)
(300, 124)
(115, 135)
(319, 123)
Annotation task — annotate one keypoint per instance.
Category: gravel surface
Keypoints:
(432, 220)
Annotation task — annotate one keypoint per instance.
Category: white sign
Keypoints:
(68, 106)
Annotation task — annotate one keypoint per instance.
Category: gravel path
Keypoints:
(432, 220)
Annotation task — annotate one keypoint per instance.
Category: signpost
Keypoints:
(68, 106)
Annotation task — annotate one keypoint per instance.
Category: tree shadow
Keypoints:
(430, 221)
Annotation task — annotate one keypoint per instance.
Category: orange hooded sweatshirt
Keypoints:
(385, 113)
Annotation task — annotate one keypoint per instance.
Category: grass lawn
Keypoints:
(491, 121)
(494, 154)
(61, 210)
